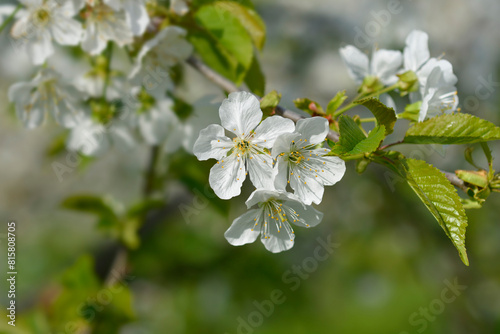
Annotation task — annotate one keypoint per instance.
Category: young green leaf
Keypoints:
(353, 141)
(452, 129)
(270, 101)
(336, 102)
(385, 116)
(248, 19)
(232, 40)
(104, 208)
(441, 199)
(255, 79)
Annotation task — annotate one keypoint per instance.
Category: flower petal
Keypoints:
(385, 64)
(270, 129)
(307, 188)
(242, 230)
(136, 16)
(227, 176)
(240, 113)
(416, 52)
(212, 143)
(275, 241)
(356, 62)
(66, 31)
(260, 168)
(280, 174)
(313, 129)
(260, 196)
(307, 215)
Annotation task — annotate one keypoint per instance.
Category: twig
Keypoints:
(230, 87)
(10, 18)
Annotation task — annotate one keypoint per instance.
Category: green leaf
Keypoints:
(249, 19)
(441, 199)
(90, 203)
(214, 54)
(452, 129)
(255, 79)
(353, 141)
(142, 208)
(336, 102)
(270, 101)
(104, 208)
(232, 40)
(350, 135)
(309, 106)
(385, 116)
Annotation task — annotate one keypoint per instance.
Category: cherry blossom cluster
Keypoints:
(430, 81)
(102, 106)
(279, 157)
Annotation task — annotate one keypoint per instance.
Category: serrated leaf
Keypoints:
(353, 141)
(255, 79)
(452, 129)
(232, 41)
(336, 102)
(249, 19)
(441, 199)
(350, 134)
(385, 116)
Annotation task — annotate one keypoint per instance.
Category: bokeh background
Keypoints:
(391, 260)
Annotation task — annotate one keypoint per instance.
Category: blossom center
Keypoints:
(41, 17)
(243, 146)
(295, 157)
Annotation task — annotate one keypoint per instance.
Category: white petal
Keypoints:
(308, 188)
(260, 196)
(416, 52)
(307, 215)
(40, 47)
(240, 113)
(227, 176)
(67, 31)
(283, 143)
(137, 16)
(356, 62)
(385, 65)
(242, 230)
(92, 42)
(179, 7)
(115, 4)
(88, 138)
(210, 143)
(154, 125)
(275, 241)
(280, 174)
(272, 127)
(329, 170)
(313, 129)
(260, 168)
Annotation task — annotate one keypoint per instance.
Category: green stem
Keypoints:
(10, 18)
(354, 103)
(109, 56)
(368, 120)
(150, 175)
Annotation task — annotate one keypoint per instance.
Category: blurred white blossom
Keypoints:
(46, 93)
(44, 21)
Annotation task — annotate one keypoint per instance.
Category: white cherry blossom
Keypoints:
(168, 48)
(384, 64)
(136, 13)
(179, 7)
(440, 96)
(302, 163)
(44, 21)
(93, 138)
(417, 59)
(103, 24)
(271, 220)
(240, 114)
(46, 93)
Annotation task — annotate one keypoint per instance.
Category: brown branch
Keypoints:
(230, 87)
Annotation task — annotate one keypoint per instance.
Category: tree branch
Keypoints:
(230, 87)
